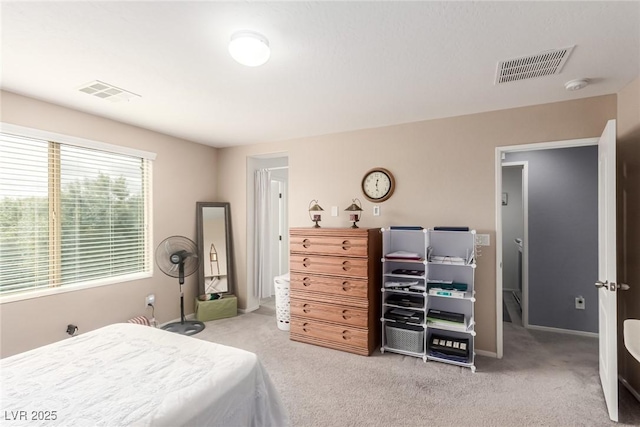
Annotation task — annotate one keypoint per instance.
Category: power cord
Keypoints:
(153, 316)
(478, 250)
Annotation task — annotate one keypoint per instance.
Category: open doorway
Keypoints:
(559, 238)
(269, 254)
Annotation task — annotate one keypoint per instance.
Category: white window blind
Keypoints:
(70, 214)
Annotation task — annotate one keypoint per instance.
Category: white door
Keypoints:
(607, 279)
(274, 229)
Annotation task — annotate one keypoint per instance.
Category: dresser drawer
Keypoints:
(357, 267)
(332, 313)
(342, 335)
(330, 285)
(352, 246)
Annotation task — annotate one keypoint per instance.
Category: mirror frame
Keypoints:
(231, 285)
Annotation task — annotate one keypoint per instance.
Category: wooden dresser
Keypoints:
(335, 287)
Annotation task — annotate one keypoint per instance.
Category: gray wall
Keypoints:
(563, 236)
(512, 225)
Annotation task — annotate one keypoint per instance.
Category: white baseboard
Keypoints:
(487, 353)
(563, 331)
(628, 387)
(248, 310)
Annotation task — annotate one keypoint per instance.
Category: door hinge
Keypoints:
(280, 195)
(280, 238)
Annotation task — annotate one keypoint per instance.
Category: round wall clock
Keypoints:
(378, 185)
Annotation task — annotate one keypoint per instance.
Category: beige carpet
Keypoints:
(545, 379)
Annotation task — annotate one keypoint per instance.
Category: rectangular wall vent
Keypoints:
(538, 65)
(106, 91)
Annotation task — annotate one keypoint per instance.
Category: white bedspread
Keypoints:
(134, 375)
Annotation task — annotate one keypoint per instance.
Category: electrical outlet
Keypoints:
(579, 303)
(376, 211)
(334, 211)
(483, 240)
(150, 300)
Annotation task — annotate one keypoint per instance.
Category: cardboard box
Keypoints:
(227, 306)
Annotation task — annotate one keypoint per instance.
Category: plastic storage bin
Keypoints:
(405, 337)
(283, 309)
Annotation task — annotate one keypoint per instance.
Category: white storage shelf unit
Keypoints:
(446, 258)
(404, 302)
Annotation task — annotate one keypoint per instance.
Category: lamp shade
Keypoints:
(315, 208)
(353, 208)
(249, 48)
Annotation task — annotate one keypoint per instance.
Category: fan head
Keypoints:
(175, 251)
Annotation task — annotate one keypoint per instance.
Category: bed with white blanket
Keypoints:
(134, 375)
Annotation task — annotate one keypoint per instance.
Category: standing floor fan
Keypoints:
(177, 256)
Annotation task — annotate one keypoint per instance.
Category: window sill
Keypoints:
(38, 293)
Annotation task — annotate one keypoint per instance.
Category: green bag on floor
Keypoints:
(227, 306)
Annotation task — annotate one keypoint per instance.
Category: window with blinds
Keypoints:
(70, 215)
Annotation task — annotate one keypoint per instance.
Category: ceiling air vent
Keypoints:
(538, 65)
(106, 91)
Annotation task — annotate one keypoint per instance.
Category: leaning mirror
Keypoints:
(214, 244)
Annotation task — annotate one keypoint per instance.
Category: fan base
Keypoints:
(188, 327)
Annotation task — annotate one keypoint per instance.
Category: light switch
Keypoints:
(376, 211)
(334, 211)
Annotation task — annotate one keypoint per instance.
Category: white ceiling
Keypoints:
(335, 66)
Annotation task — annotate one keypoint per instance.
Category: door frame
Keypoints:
(570, 143)
(525, 236)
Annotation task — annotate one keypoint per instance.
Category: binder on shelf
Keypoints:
(451, 228)
(403, 256)
(447, 285)
(404, 316)
(409, 301)
(445, 317)
(446, 293)
(407, 272)
(399, 284)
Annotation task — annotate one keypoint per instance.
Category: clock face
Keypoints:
(378, 185)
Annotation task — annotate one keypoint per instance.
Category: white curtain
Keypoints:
(262, 280)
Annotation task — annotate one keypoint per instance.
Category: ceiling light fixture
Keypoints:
(576, 84)
(249, 48)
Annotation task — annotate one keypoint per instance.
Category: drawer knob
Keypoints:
(306, 262)
(306, 243)
(304, 327)
(346, 266)
(346, 245)
(346, 335)
(346, 286)
(345, 315)
(305, 308)
(306, 281)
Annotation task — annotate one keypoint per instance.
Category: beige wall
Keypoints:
(445, 173)
(629, 222)
(179, 172)
(444, 170)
